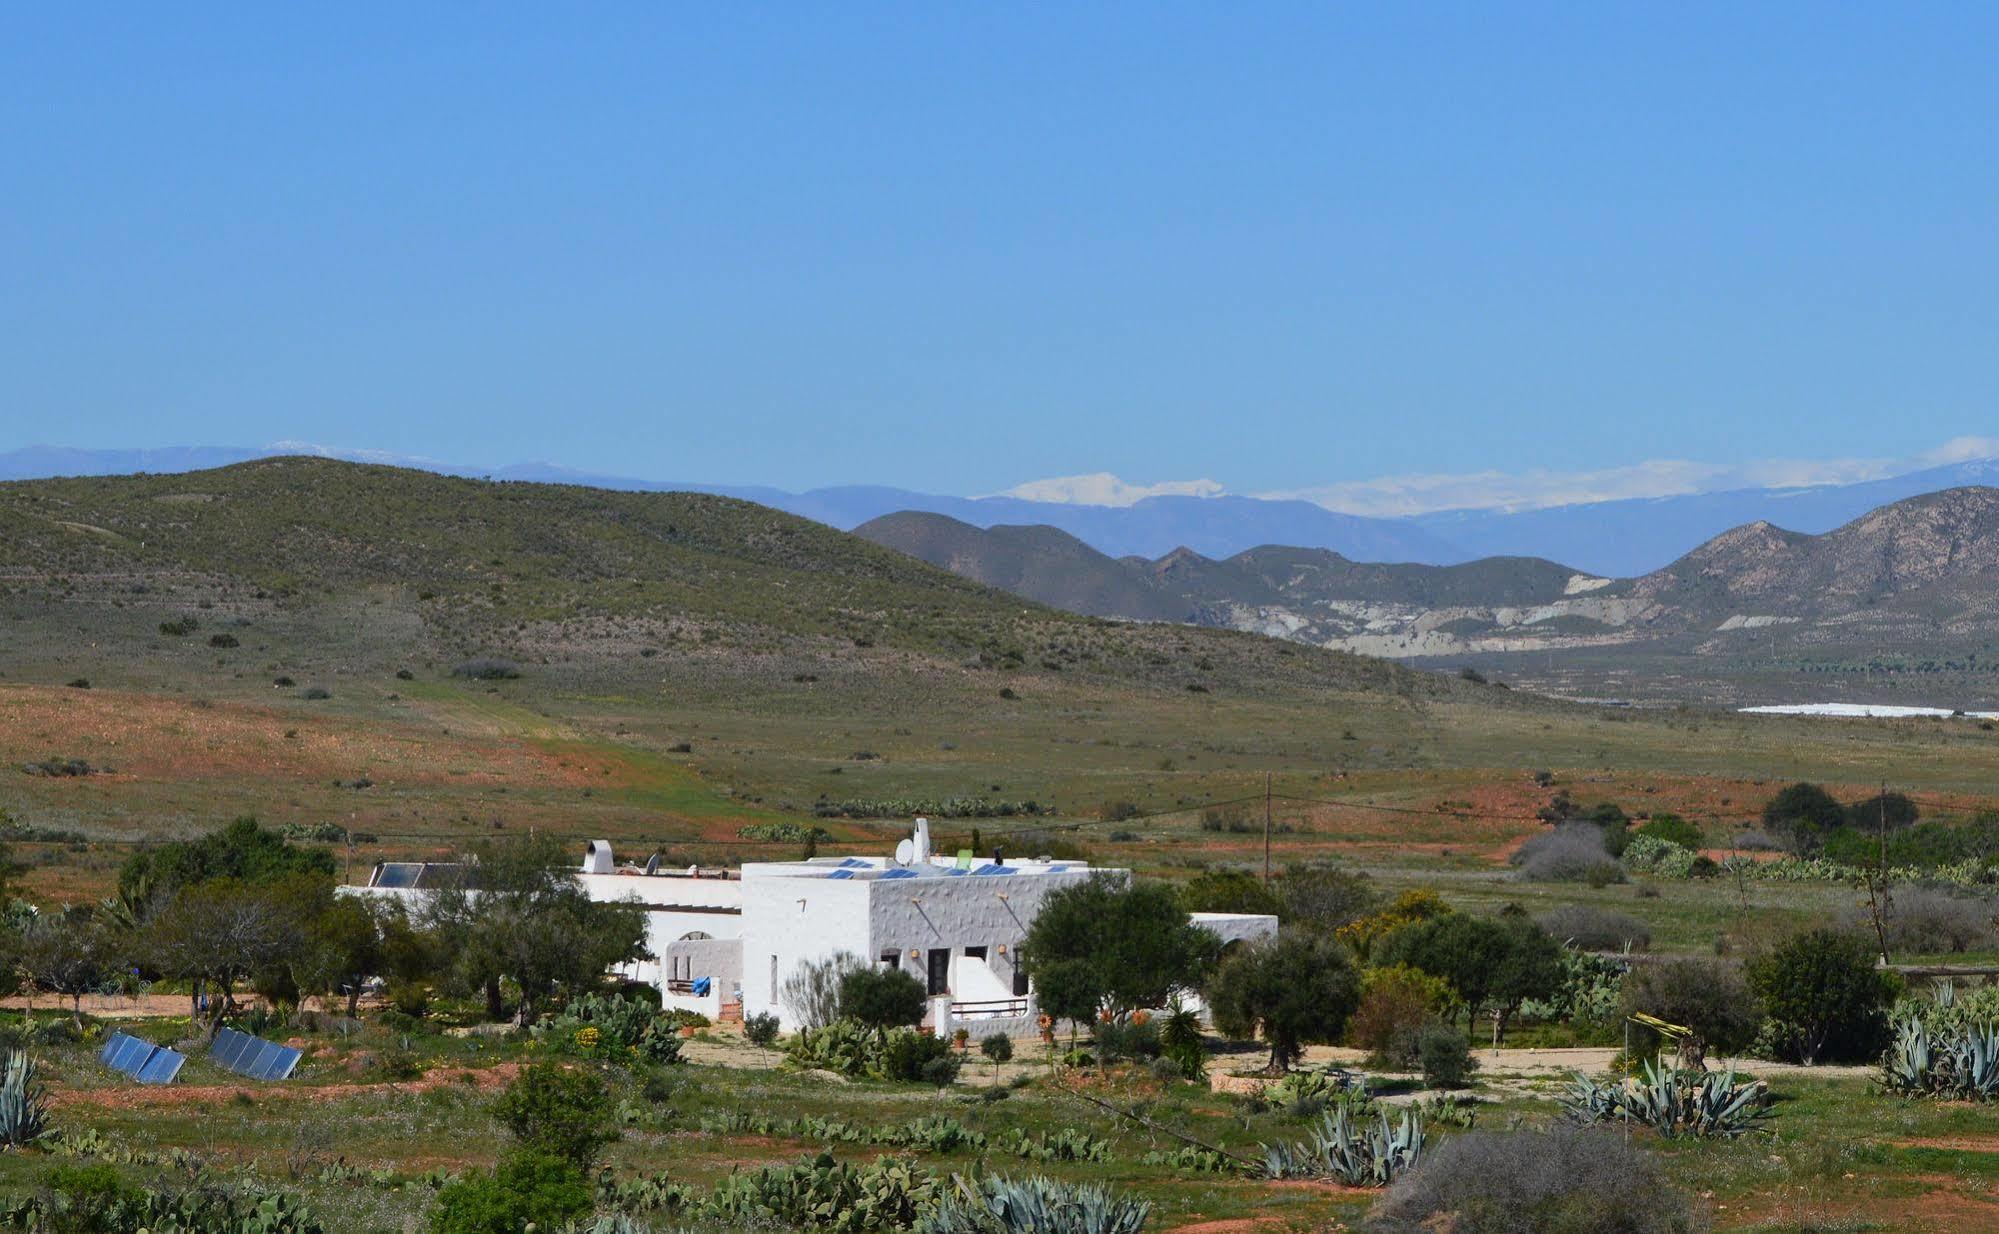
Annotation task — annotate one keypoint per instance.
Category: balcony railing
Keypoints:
(988, 1009)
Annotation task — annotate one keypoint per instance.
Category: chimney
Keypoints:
(597, 858)
(922, 841)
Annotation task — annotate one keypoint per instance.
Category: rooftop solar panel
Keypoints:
(841, 874)
(852, 863)
(900, 874)
(161, 1067)
(398, 873)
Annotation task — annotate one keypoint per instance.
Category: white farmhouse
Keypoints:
(724, 941)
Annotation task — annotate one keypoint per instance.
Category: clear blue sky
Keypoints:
(956, 247)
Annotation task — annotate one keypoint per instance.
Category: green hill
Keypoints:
(353, 567)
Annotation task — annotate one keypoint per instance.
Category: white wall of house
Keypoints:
(788, 921)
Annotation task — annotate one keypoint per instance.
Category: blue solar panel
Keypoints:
(129, 1055)
(110, 1045)
(841, 874)
(160, 1068)
(228, 1044)
(993, 869)
(900, 874)
(852, 863)
(279, 1065)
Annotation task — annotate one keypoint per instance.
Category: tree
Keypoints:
(343, 948)
(70, 953)
(999, 1048)
(1324, 897)
(1229, 891)
(1107, 945)
(1827, 997)
(1805, 814)
(881, 998)
(1706, 996)
(1293, 990)
(242, 851)
(1487, 962)
(1530, 966)
(216, 934)
(527, 921)
(563, 1112)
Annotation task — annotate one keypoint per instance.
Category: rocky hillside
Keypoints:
(1926, 564)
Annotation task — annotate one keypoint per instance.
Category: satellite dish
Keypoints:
(905, 852)
(652, 864)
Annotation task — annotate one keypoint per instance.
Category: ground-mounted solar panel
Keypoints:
(277, 1065)
(229, 1047)
(128, 1054)
(160, 1067)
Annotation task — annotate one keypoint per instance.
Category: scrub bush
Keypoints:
(1561, 1181)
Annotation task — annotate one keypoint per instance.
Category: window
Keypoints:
(891, 958)
(1019, 980)
(975, 953)
(940, 970)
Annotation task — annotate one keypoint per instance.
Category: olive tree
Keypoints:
(1294, 990)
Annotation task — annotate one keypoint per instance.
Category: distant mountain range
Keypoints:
(1917, 573)
(1607, 539)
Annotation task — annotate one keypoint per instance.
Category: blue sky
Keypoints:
(955, 249)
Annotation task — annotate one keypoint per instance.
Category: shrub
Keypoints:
(316, 693)
(1826, 999)
(912, 1057)
(1568, 854)
(487, 668)
(1804, 814)
(223, 641)
(761, 1029)
(1673, 830)
(1673, 1101)
(881, 998)
(526, 1190)
(1394, 1005)
(1925, 920)
(1444, 1055)
(1126, 1038)
(180, 627)
(1561, 1181)
(1035, 1205)
(1589, 927)
(558, 1111)
(811, 993)
(1651, 855)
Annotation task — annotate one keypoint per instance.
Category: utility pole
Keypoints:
(1266, 829)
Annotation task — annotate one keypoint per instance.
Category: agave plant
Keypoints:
(24, 1103)
(1033, 1205)
(1370, 1157)
(1674, 1102)
(1961, 1066)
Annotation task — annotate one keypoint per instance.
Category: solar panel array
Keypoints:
(253, 1056)
(141, 1060)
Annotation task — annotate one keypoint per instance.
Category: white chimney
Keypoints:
(597, 858)
(922, 855)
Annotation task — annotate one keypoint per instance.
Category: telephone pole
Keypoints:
(1266, 829)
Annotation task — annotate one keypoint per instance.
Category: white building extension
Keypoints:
(725, 942)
